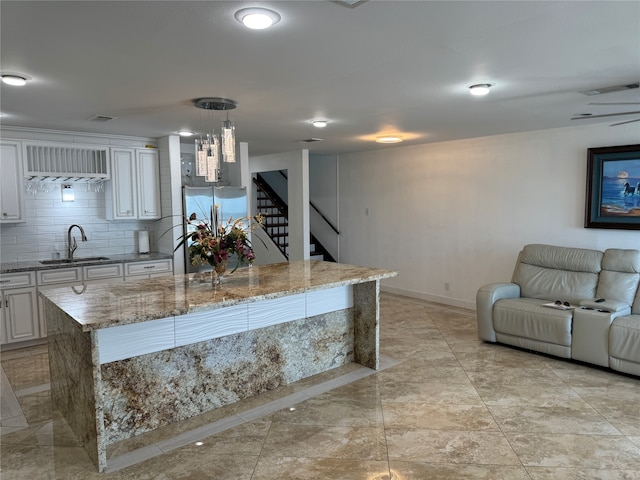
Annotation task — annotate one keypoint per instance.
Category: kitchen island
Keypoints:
(128, 358)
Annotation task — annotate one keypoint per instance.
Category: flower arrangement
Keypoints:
(214, 244)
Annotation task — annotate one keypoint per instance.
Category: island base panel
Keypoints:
(143, 393)
(72, 379)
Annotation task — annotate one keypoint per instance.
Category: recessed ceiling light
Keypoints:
(16, 79)
(186, 133)
(257, 18)
(389, 139)
(319, 123)
(480, 89)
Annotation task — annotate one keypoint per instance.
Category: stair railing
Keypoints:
(283, 209)
(277, 202)
(312, 205)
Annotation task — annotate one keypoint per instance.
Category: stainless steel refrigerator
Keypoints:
(231, 201)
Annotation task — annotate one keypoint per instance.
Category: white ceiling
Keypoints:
(382, 67)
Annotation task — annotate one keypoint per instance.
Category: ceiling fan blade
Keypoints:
(604, 115)
(622, 123)
(614, 103)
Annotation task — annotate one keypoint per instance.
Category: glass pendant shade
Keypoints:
(213, 162)
(201, 158)
(228, 141)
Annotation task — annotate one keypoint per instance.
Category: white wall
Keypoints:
(323, 193)
(48, 219)
(459, 212)
(169, 228)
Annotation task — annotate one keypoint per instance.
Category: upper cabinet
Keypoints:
(148, 166)
(134, 190)
(11, 181)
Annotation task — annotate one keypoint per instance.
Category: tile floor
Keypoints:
(446, 406)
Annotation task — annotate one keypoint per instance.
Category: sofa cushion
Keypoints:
(557, 273)
(620, 275)
(624, 338)
(527, 317)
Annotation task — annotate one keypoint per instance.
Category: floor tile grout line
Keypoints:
(186, 438)
(9, 400)
(45, 387)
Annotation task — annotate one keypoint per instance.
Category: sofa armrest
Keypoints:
(485, 298)
(610, 305)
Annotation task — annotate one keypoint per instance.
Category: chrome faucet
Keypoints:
(72, 247)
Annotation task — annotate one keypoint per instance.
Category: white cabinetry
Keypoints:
(153, 268)
(103, 273)
(22, 315)
(19, 312)
(134, 190)
(11, 181)
(59, 276)
(148, 172)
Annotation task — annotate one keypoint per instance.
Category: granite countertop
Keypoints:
(36, 265)
(109, 304)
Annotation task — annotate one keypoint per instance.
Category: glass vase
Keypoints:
(219, 269)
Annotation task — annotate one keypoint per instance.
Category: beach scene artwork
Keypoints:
(620, 195)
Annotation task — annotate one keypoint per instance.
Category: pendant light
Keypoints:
(209, 149)
(213, 162)
(228, 141)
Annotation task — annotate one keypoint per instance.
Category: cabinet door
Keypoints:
(122, 204)
(154, 268)
(112, 271)
(56, 276)
(11, 191)
(148, 184)
(20, 315)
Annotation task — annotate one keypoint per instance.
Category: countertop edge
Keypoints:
(361, 275)
(19, 267)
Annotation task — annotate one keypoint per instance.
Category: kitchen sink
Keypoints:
(62, 261)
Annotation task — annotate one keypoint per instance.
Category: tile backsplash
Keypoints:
(49, 218)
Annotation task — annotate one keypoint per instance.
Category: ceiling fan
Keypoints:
(600, 91)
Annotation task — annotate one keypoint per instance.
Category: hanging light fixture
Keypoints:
(209, 149)
(228, 141)
(213, 159)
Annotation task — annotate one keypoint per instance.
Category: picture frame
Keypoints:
(613, 187)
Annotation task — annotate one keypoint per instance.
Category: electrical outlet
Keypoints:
(446, 286)
(366, 212)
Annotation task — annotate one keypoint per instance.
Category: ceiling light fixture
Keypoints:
(15, 79)
(389, 139)
(257, 18)
(480, 89)
(319, 123)
(208, 148)
(186, 133)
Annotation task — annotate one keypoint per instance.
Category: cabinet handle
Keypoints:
(5, 281)
(4, 214)
(149, 266)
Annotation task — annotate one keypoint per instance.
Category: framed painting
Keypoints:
(613, 187)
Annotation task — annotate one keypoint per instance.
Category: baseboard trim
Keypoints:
(454, 302)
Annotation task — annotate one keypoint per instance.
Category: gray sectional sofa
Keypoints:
(601, 326)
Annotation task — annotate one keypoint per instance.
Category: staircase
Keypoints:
(276, 222)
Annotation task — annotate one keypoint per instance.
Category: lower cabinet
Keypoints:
(22, 314)
(19, 312)
(153, 268)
